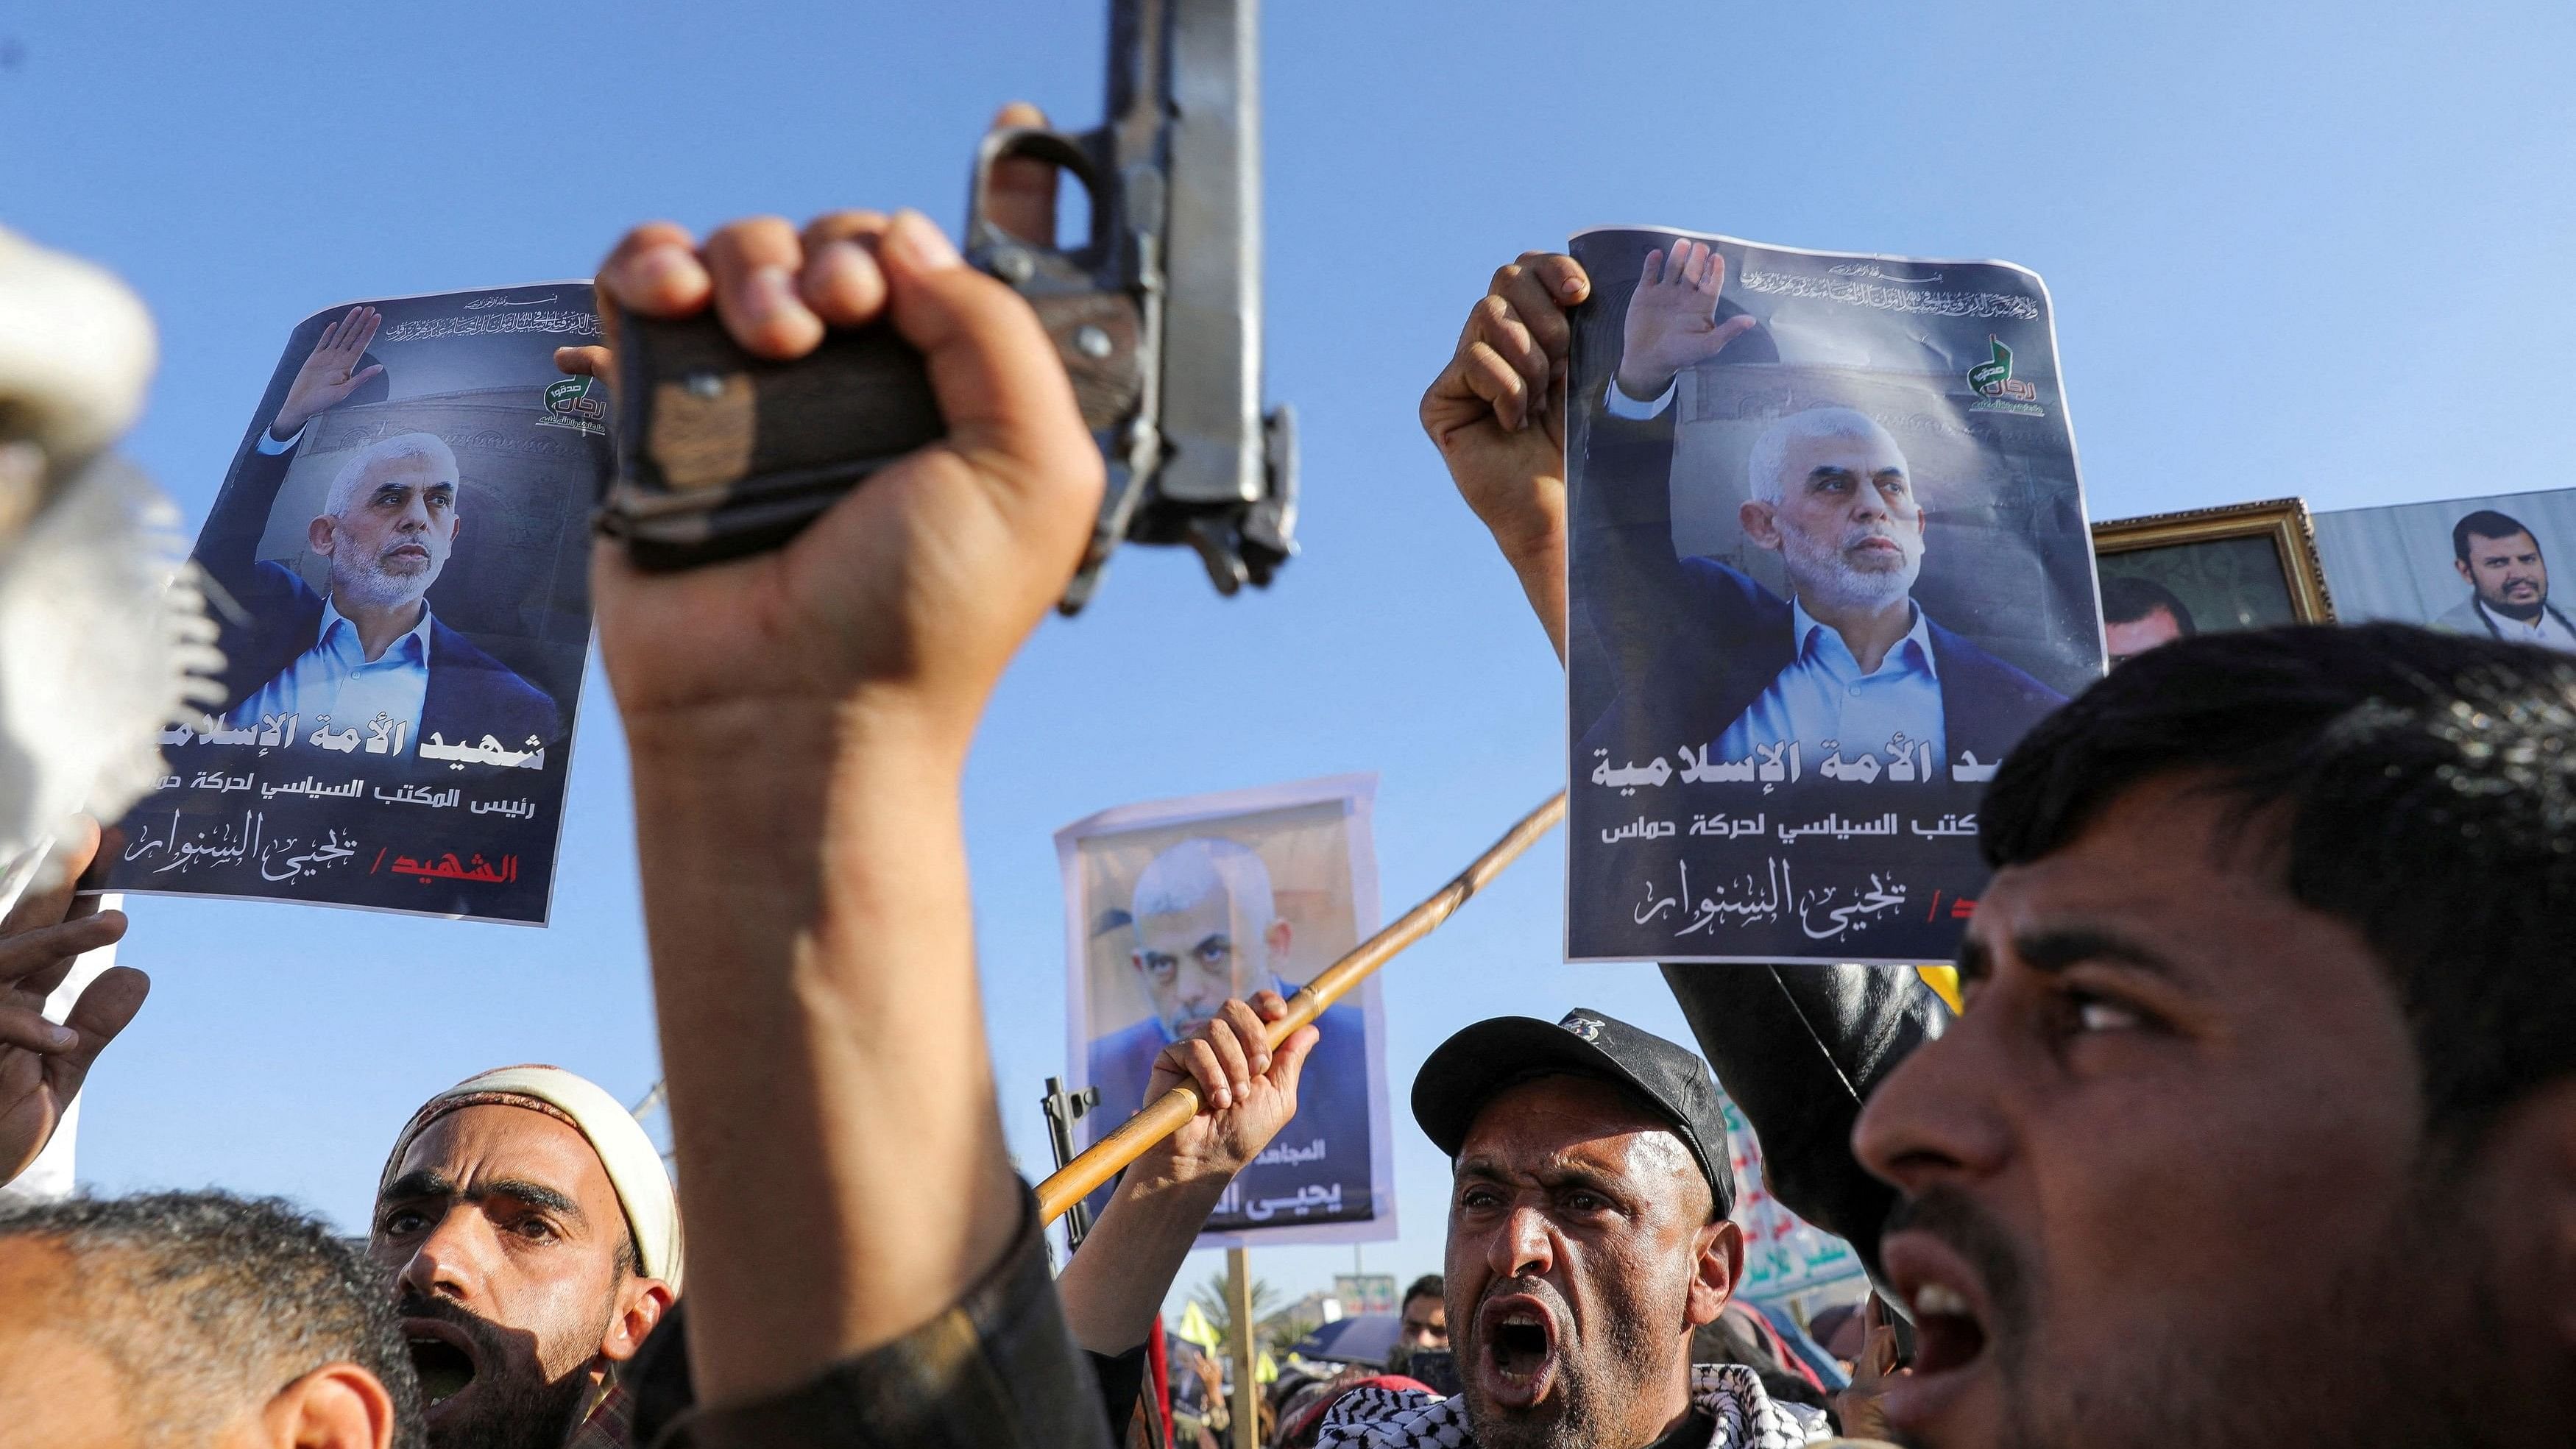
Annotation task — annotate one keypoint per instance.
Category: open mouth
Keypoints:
(1947, 1332)
(443, 1364)
(1952, 1318)
(1520, 1350)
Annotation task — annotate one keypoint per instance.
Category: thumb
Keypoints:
(1004, 394)
(362, 374)
(1726, 332)
(1288, 1062)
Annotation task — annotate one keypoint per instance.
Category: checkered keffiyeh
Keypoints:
(1747, 1418)
(608, 1425)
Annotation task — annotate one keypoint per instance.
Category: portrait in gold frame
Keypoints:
(2245, 566)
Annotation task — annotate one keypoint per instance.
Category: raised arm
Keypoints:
(334, 369)
(1798, 1047)
(1115, 1285)
(797, 722)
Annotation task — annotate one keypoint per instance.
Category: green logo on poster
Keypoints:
(1993, 379)
(570, 404)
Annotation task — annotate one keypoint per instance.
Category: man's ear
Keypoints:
(1719, 1267)
(1277, 938)
(2467, 575)
(1760, 522)
(318, 534)
(337, 1406)
(640, 1305)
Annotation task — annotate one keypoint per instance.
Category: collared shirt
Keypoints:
(2548, 630)
(1826, 705)
(335, 679)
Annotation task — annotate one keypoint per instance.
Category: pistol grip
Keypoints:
(722, 453)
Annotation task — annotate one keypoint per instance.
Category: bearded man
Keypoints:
(534, 1242)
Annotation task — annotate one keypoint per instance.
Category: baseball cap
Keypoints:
(1469, 1068)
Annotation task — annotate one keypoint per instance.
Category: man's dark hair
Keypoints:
(2486, 523)
(1429, 1285)
(2126, 599)
(2423, 787)
(208, 1304)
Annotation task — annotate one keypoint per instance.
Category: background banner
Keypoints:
(400, 561)
(2469, 565)
(1828, 562)
(1174, 906)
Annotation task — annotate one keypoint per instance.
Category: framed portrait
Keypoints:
(2245, 566)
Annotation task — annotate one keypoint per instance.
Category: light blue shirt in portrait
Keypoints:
(1825, 704)
(335, 678)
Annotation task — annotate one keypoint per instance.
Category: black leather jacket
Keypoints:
(1799, 1048)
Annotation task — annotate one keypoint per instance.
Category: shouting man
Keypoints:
(535, 1241)
(1588, 1236)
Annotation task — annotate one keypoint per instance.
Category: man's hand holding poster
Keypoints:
(1175, 907)
(1828, 562)
(400, 563)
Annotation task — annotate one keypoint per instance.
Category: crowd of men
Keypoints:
(2258, 1126)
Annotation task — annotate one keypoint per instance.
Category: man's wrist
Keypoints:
(1169, 1192)
(1641, 386)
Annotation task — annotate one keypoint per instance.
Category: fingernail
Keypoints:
(922, 242)
(62, 1038)
(767, 292)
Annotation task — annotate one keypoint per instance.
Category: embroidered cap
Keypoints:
(1470, 1067)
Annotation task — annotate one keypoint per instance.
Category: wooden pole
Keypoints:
(1247, 1395)
(1164, 1115)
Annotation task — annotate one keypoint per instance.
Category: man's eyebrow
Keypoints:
(419, 1182)
(429, 1182)
(2052, 951)
(1215, 938)
(1553, 1176)
(534, 1194)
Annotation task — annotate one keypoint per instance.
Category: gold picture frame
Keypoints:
(2283, 522)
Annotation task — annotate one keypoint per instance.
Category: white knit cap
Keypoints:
(634, 1166)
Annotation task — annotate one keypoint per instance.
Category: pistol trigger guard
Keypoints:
(1021, 260)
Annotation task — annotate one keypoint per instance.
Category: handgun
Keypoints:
(1156, 315)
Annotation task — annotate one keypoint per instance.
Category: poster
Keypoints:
(1828, 563)
(1784, 1254)
(400, 564)
(1175, 906)
(2469, 565)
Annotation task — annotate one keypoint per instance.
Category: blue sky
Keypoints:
(2295, 249)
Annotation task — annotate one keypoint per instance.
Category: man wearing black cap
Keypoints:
(1587, 1237)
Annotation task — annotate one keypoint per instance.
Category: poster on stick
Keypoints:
(1175, 906)
(399, 561)
(1828, 562)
